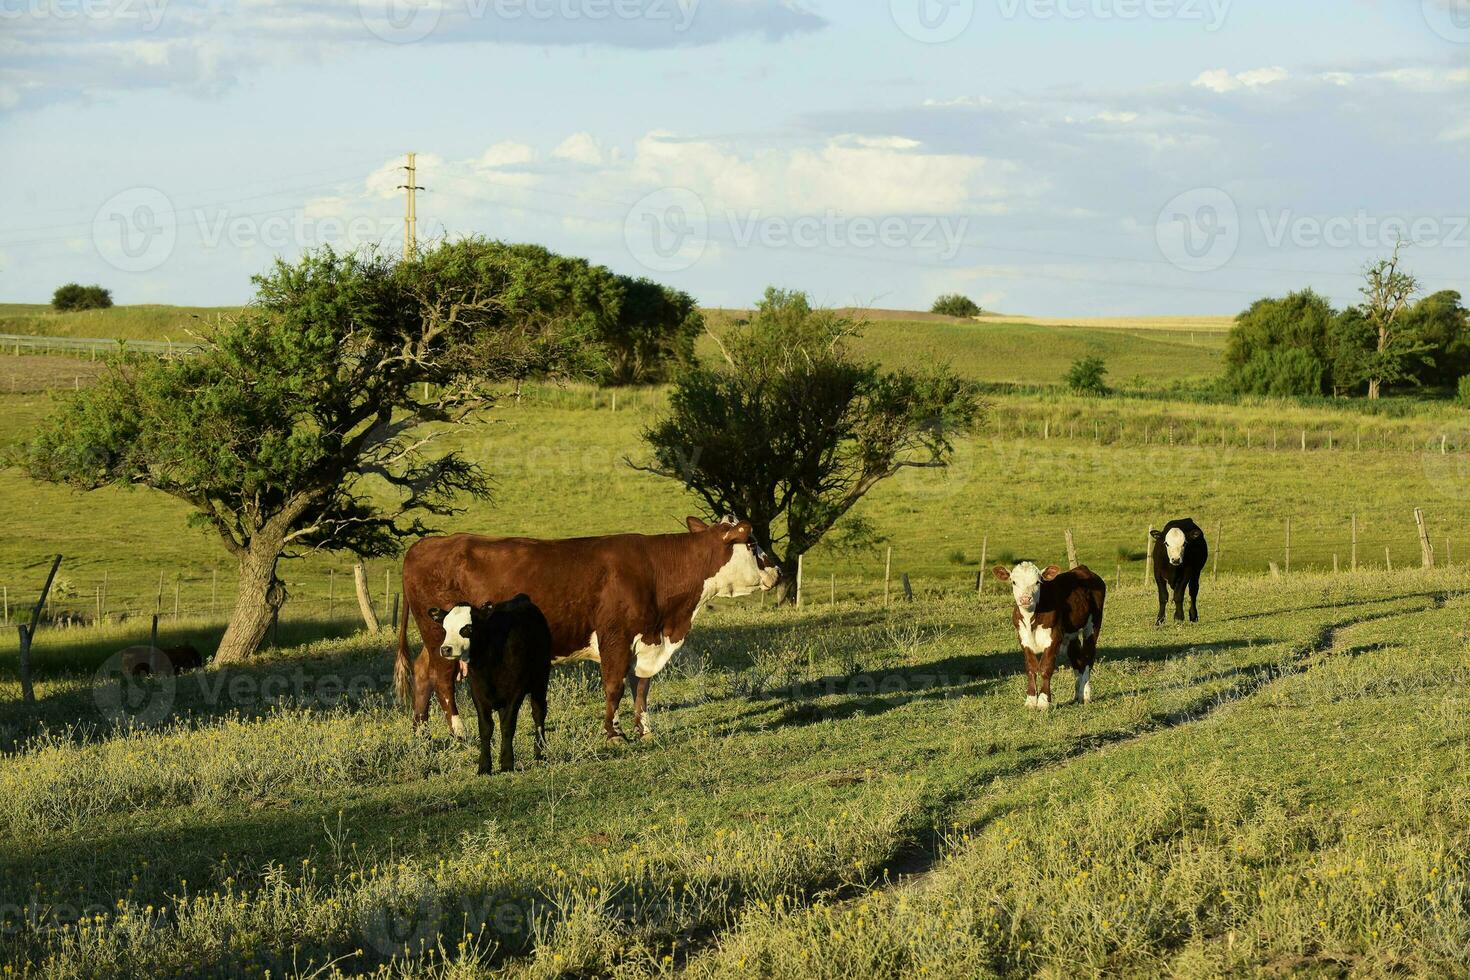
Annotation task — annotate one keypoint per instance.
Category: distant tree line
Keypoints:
(1300, 345)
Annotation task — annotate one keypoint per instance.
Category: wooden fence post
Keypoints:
(984, 554)
(364, 600)
(28, 633)
(908, 590)
(1355, 542)
(7, 605)
(1426, 550)
(1071, 550)
(1387, 559)
(798, 580)
(387, 589)
(331, 592)
(104, 594)
(1148, 557)
(158, 601)
(1288, 546)
(887, 571)
(176, 598)
(395, 612)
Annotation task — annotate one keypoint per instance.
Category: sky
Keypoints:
(1044, 157)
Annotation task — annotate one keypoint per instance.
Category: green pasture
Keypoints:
(832, 792)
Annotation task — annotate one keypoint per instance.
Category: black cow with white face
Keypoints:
(1180, 552)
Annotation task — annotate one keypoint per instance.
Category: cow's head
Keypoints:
(1026, 581)
(1175, 540)
(746, 566)
(458, 629)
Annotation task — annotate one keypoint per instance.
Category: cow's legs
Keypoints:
(444, 690)
(508, 716)
(641, 724)
(422, 689)
(538, 719)
(1194, 598)
(1048, 667)
(1163, 600)
(1083, 665)
(614, 679)
(1030, 677)
(1179, 590)
(487, 732)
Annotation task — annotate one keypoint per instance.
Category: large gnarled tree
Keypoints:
(306, 422)
(790, 430)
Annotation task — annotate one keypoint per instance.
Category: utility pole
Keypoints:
(410, 213)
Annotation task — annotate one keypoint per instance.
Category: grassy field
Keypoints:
(834, 792)
(841, 790)
(140, 322)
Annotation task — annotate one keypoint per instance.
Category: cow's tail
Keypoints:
(402, 671)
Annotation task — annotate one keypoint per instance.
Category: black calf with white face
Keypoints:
(504, 649)
(1180, 553)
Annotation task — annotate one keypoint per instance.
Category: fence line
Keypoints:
(14, 343)
(95, 601)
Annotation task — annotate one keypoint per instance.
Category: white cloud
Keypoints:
(50, 52)
(579, 148)
(1221, 81)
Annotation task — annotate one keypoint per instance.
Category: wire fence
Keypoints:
(1295, 546)
(93, 347)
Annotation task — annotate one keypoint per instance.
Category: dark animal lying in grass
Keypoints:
(1055, 610)
(141, 661)
(505, 650)
(1177, 566)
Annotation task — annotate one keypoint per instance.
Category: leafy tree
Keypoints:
(790, 431)
(642, 327)
(954, 304)
(1256, 352)
(1087, 376)
(302, 423)
(1387, 292)
(74, 296)
(653, 332)
(1442, 323)
(1349, 339)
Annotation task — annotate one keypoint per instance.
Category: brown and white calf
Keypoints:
(1055, 610)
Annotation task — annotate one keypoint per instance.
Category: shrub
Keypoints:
(953, 304)
(1086, 377)
(74, 296)
(1464, 390)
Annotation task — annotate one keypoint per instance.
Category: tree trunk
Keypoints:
(1373, 387)
(261, 595)
(364, 598)
(786, 585)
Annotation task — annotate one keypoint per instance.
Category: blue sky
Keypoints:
(1049, 157)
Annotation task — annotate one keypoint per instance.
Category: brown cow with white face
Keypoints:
(621, 601)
